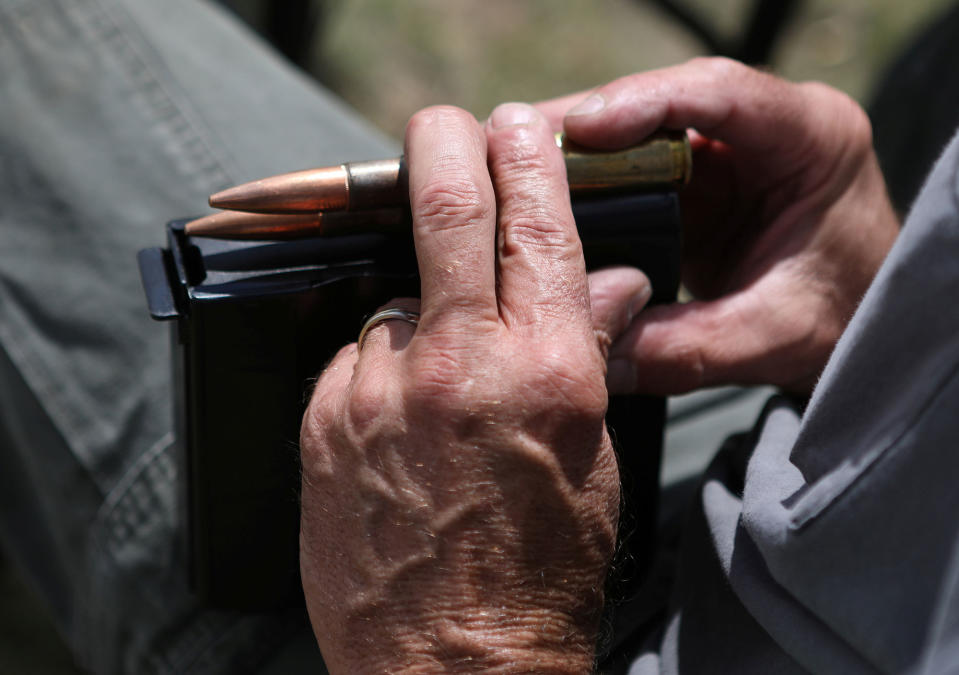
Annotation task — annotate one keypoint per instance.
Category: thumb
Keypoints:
(670, 349)
(616, 295)
(735, 339)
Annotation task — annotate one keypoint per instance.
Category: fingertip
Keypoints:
(520, 136)
(514, 123)
(513, 114)
(640, 298)
(617, 294)
(591, 105)
(440, 120)
(431, 115)
(619, 114)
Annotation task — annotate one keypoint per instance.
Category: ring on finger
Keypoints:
(388, 314)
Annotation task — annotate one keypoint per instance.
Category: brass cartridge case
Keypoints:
(663, 161)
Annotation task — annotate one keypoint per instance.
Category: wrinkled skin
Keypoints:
(460, 491)
(786, 221)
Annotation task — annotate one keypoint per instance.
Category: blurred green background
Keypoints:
(389, 58)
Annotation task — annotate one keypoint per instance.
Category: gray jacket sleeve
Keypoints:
(830, 541)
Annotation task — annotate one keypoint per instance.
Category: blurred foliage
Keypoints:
(389, 58)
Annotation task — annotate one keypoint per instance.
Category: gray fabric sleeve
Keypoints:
(857, 522)
(829, 543)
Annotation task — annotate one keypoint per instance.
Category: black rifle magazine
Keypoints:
(254, 322)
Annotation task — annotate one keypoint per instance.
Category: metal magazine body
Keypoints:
(254, 322)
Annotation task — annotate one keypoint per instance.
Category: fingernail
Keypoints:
(512, 114)
(620, 376)
(591, 105)
(638, 301)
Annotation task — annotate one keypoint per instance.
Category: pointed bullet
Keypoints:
(325, 189)
(275, 226)
(356, 186)
(661, 162)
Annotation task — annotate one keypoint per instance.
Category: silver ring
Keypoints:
(388, 314)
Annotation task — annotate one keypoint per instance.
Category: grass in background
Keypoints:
(388, 58)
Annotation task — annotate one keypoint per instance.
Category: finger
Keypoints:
(720, 98)
(616, 295)
(383, 339)
(738, 339)
(454, 217)
(330, 390)
(555, 109)
(542, 276)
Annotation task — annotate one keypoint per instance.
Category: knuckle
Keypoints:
(314, 426)
(318, 427)
(539, 226)
(523, 156)
(840, 112)
(571, 386)
(450, 200)
(530, 211)
(324, 400)
(836, 102)
(860, 128)
(546, 389)
(439, 383)
(365, 406)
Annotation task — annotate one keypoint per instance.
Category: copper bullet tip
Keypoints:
(278, 226)
(312, 190)
(238, 225)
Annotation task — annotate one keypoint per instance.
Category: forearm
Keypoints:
(535, 642)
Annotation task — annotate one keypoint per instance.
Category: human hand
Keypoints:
(786, 222)
(460, 492)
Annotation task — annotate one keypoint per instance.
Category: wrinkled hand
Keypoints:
(786, 222)
(460, 493)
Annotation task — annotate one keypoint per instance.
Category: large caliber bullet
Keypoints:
(280, 226)
(354, 186)
(661, 162)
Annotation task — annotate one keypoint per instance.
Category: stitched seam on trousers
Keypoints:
(40, 381)
(124, 513)
(104, 36)
(114, 499)
(171, 115)
(206, 635)
(108, 533)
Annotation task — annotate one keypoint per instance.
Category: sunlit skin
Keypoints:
(786, 221)
(460, 492)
